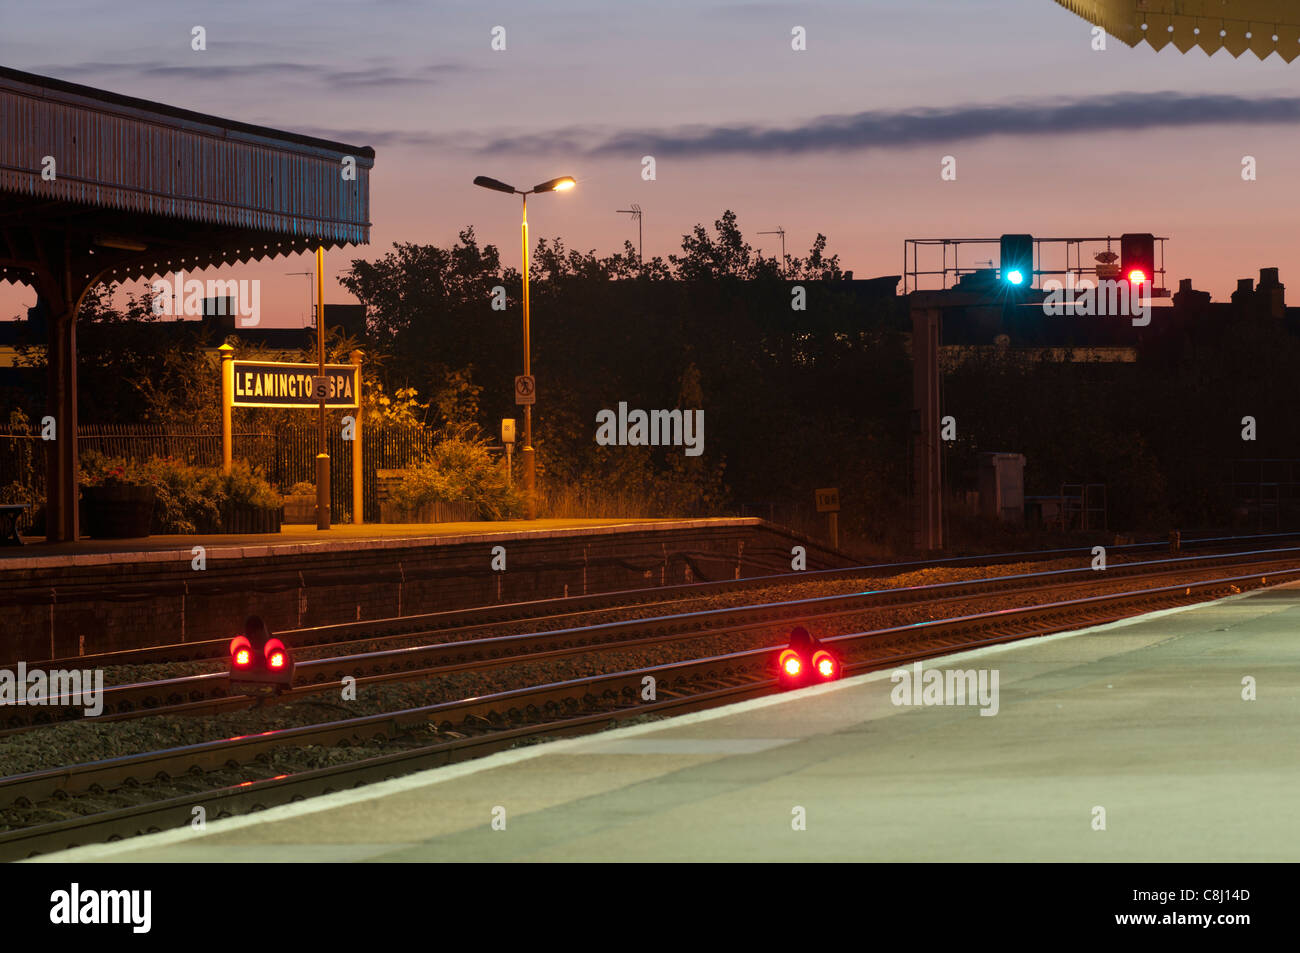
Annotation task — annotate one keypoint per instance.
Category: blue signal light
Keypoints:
(1016, 277)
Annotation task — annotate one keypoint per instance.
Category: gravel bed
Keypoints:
(812, 588)
(88, 740)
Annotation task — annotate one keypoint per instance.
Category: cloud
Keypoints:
(324, 76)
(1119, 112)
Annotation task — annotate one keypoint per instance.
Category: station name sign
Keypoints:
(268, 384)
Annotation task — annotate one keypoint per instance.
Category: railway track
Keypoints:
(575, 608)
(209, 694)
(143, 792)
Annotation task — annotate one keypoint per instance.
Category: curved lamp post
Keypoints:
(562, 184)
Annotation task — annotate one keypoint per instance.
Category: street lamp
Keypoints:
(562, 184)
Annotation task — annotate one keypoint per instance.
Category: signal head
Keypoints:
(1017, 260)
(825, 665)
(1137, 257)
(801, 639)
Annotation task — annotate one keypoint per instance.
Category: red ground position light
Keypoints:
(825, 666)
(241, 653)
(259, 664)
(806, 662)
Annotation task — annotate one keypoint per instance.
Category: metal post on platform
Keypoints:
(322, 457)
(927, 503)
(527, 454)
(358, 498)
(227, 403)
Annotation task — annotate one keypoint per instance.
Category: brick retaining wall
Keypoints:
(66, 606)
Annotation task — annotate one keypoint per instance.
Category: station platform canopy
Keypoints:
(1261, 26)
(95, 186)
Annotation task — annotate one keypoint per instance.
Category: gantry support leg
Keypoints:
(927, 487)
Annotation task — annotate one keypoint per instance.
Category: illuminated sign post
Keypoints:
(292, 386)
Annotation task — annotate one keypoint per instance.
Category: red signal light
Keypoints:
(277, 657)
(805, 662)
(258, 663)
(241, 651)
(1137, 276)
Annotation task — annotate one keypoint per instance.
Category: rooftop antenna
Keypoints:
(311, 297)
(780, 231)
(635, 212)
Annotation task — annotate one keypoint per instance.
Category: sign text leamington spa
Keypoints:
(262, 384)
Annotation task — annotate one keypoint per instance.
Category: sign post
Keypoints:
(358, 498)
(828, 502)
(227, 402)
(321, 389)
(508, 438)
(526, 397)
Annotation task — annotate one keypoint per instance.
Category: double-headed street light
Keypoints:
(562, 184)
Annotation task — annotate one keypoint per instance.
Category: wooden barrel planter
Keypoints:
(117, 510)
(251, 519)
(300, 509)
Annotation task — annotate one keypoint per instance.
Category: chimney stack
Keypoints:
(1272, 294)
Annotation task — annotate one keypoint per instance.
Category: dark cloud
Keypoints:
(326, 76)
(1120, 112)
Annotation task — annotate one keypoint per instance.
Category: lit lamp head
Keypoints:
(562, 184)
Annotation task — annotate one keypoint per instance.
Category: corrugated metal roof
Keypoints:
(143, 158)
(1262, 26)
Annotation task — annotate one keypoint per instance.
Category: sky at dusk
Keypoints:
(845, 138)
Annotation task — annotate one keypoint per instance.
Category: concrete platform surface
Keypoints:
(1129, 741)
(295, 538)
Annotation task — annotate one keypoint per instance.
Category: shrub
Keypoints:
(244, 486)
(187, 499)
(459, 469)
(302, 488)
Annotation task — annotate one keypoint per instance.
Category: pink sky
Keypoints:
(421, 84)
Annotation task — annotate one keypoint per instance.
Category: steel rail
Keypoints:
(557, 697)
(185, 694)
(694, 684)
(541, 609)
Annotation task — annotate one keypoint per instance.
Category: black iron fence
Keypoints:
(283, 455)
